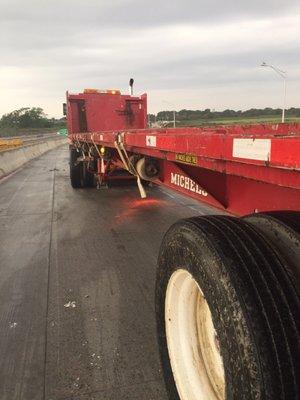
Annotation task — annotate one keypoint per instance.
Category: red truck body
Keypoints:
(240, 169)
(94, 111)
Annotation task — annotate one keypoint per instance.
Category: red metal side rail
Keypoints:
(238, 168)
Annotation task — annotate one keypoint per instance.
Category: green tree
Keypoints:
(26, 117)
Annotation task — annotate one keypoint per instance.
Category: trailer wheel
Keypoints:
(226, 313)
(87, 179)
(75, 169)
(282, 230)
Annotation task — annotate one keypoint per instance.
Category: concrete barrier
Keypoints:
(12, 159)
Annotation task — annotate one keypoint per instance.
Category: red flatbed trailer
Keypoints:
(240, 169)
(227, 297)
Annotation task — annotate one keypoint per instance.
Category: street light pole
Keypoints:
(282, 74)
(284, 100)
(174, 112)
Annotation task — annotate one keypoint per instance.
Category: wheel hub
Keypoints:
(193, 344)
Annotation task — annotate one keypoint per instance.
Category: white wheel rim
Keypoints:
(196, 361)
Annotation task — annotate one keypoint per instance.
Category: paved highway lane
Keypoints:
(77, 276)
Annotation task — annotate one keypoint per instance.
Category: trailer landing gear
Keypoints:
(228, 310)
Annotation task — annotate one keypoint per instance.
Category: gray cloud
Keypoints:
(170, 47)
(136, 13)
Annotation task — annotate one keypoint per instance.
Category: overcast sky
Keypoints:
(191, 54)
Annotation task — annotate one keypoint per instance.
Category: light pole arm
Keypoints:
(282, 74)
(284, 100)
(278, 71)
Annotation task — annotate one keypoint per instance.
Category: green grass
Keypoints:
(11, 132)
(236, 120)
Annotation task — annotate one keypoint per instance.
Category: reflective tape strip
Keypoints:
(252, 149)
(151, 141)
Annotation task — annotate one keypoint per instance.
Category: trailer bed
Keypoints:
(241, 169)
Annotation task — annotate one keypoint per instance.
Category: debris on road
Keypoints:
(70, 304)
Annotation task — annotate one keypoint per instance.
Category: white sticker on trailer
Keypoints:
(252, 149)
(151, 141)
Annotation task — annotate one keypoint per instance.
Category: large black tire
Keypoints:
(75, 169)
(87, 178)
(253, 306)
(282, 230)
(79, 174)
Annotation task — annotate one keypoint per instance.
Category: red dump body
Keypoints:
(240, 169)
(93, 111)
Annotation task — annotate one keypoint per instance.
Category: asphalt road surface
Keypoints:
(77, 277)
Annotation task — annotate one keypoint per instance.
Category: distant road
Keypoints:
(7, 143)
(33, 138)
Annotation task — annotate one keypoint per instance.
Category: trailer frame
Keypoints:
(241, 169)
